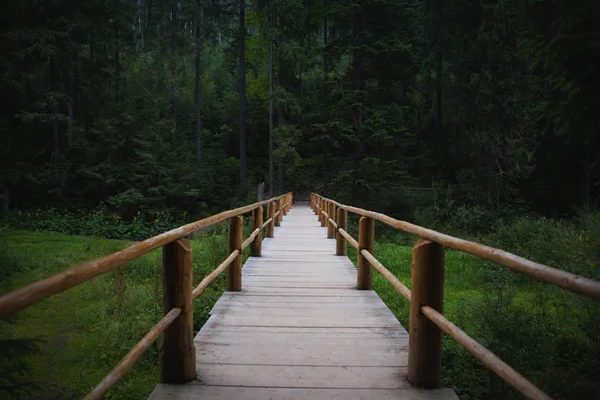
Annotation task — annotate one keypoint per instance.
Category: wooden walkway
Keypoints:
(299, 329)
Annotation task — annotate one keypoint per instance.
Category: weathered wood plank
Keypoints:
(305, 353)
(302, 376)
(254, 393)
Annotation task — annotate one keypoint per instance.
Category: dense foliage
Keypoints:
(137, 103)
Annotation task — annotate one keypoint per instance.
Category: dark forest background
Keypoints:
(136, 104)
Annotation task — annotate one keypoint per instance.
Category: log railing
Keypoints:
(177, 353)
(426, 320)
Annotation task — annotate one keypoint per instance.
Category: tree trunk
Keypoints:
(174, 27)
(358, 84)
(437, 48)
(271, 169)
(242, 94)
(117, 51)
(325, 95)
(198, 75)
(70, 95)
(281, 174)
(53, 72)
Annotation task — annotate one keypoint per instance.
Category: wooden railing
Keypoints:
(426, 321)
(177, 354)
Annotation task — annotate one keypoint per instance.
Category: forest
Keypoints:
(120, 119)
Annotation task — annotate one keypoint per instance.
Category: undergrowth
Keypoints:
(83, 332)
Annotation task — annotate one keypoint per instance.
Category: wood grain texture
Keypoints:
(425, 353)
(177, 351)
(257, 223)
(234, 272)
(174, 392)
(341, 246)
(366, 241)
(300, 329)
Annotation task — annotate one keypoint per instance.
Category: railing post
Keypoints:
(234, 271)
(177, 352)
(366, 241)
(271, 215)
(340, 241)
(278, 208)
(318, 204)
(425, 338)
(330, 228)
(323, 208)
(257, 221)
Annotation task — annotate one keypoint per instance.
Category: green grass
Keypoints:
(548, 335)
(88, 329)
(539, 330)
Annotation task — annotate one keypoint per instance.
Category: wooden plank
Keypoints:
(306, 353)
(303, 376)
(298, 312)
(180, 392)
(332, 338)
(304, 321)
(303, 332)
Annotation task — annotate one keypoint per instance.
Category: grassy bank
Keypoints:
(85, 331)
(548, 335)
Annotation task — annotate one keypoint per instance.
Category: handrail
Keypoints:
(566, 280)
(502, 369)
(247, 242)
(176, 281)
(129, 360)
(24, 297)
(426, 263)
(349, 238)
(397, 283)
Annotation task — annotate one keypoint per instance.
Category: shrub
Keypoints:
(97, 222)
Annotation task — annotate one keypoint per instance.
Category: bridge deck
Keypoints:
(299, 329)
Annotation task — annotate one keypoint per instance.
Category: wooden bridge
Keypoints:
(299, 321)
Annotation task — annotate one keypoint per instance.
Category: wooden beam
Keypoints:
(366, 241)
(257, 221)
(234, 272)
(425, 338)
(330, 227)
(277, 210)
(494, 363)
(340, 240)
(271, 217)
(177, 352)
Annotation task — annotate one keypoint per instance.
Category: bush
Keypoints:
(97, 222)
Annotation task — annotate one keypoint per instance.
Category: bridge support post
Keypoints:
(340, 241)
(366, 241)
(177, 351)
(425, 338)
(236, 237)
(330, 228)
(271, 215)
(278, 208)
(257, 221)
(323, 208)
